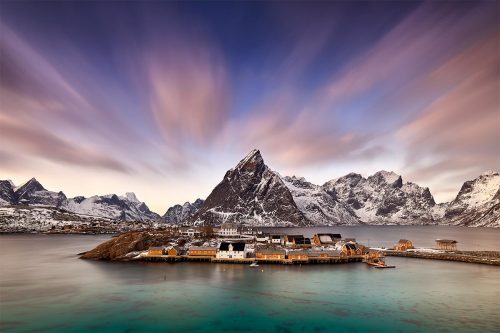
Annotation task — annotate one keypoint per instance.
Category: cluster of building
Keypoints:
(268, 248)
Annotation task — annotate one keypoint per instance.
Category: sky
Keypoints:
(162, 98)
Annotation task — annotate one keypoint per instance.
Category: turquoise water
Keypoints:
(45, 288)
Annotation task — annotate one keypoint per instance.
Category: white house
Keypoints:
(228, 230)
(232, 251)
(191, 232)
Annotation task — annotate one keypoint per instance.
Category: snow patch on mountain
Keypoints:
(318, 206)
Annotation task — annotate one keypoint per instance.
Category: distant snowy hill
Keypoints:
(177, 214)
(32, 193)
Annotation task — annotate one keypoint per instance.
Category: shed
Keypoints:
(446, 244)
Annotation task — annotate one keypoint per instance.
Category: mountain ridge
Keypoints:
(254, 194)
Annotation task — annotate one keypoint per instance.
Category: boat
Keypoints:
(254, 264)
(384, 266)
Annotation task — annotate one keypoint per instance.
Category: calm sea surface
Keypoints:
(44, 287)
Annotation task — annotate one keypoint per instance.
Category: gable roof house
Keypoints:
(235, 250)
(326, 239)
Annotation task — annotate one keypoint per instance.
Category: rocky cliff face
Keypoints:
(118, 248)
(383, 198)
(178, 214)
(319, 207)
(250, 193)
(477, 203)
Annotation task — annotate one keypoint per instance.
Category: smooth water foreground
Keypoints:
(45, 288)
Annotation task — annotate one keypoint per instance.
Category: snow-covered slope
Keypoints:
(32, 193)
(7, 196)
(127, 207)
(477, 202)
(177, 214)
(318, 206)
(382, 198)
(251, 193)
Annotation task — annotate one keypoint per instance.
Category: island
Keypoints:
(231, 243)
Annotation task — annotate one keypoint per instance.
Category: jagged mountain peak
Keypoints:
(25, 191)
(32, 184)
(251, 162)
(250, 193)
(178, 214)
(389, 177)
(131, 197)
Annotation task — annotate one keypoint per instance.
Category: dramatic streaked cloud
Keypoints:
(162, 98)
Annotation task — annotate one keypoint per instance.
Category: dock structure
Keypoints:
(285, 261)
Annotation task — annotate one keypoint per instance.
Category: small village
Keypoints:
(230, 243)
(233, 244)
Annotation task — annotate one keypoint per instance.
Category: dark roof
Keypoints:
(446, 241)
(403, 241)
(276, 236)
(331, 235)
(302, 241)
(224, 246)
(290, 237)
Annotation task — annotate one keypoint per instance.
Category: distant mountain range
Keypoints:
(32, 193)
(253, 194)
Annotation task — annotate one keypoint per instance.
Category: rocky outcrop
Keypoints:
(118, 247)
(250, 193)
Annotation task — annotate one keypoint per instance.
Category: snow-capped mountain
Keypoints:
(177, 214)
(127, 208)
(250, 193)
(318, 206)
(32, 193)
(477, 203)
(7, 196)
(383, 198)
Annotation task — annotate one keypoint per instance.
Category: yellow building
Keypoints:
(202, 251)
(403, 245)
